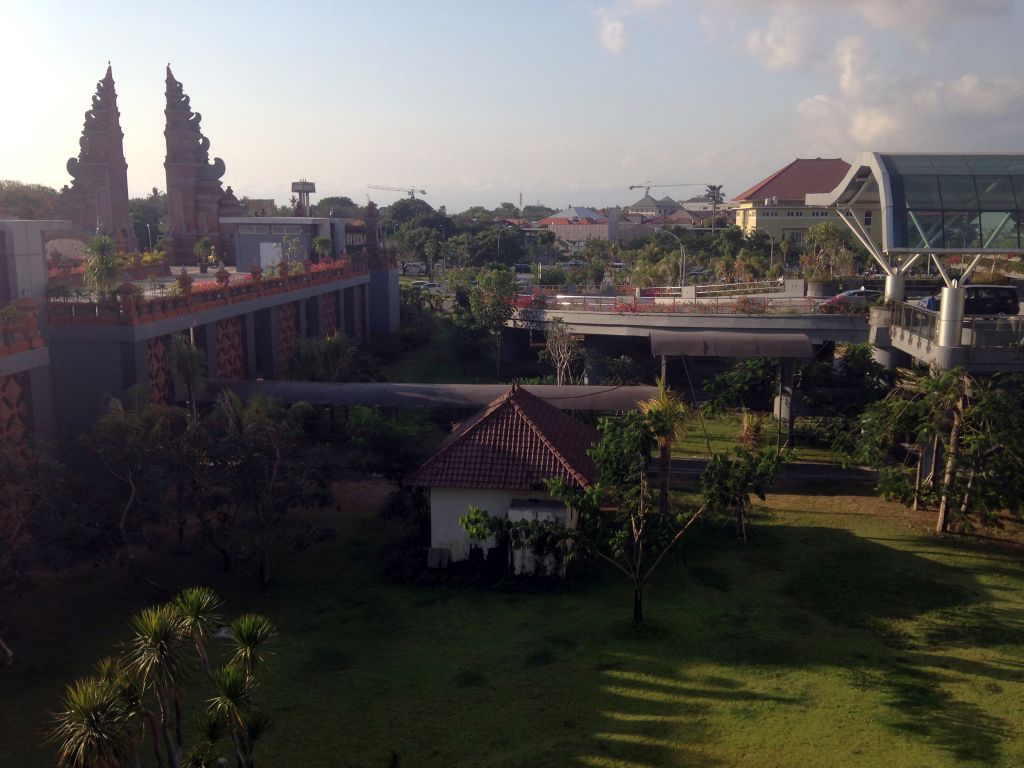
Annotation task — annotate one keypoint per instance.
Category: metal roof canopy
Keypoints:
(725, 344)
(456, 396)
(935, 203)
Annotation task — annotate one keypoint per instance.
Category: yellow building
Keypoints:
(777, 205)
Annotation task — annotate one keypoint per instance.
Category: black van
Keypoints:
(991, 300)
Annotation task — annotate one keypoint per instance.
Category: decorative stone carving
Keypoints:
(97, 200)
(194, 192)
(230, 349)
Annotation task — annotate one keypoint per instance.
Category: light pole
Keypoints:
(682, 254)
(771, 252)
(500, 233)
(150, 233)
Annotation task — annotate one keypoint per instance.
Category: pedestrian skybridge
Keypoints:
(936, 203)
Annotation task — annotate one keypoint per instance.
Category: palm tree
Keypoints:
(249, 634)
(103, 268)
(205, 251)
(196, 608)
(322, 247)
(156, 655)
(666, 414)
(231, 703)
(188, 362)
(94, 729)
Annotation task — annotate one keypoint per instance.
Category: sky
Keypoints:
(564, 103)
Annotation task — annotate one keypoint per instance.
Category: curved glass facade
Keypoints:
(961, 203)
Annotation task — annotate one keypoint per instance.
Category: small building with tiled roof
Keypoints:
(574, 214)
(776, 204)
(650, 208)
(498, 460)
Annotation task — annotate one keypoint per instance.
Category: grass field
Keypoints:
(843, 634)
(722, 431)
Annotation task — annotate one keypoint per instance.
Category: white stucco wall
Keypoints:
(447, 505)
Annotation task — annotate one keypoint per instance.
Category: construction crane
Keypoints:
(410, 191)
(647, 186)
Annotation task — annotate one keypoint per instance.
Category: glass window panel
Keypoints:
(1014, 164)
(905, 164)
(950, 164)
(998, 230)
(960, 230)
(958, 193)
(995, 193)
(924, 229)
(922, 192)
(992, 165)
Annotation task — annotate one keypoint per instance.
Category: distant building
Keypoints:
(574, 226)
(650, 208)
(776, 205)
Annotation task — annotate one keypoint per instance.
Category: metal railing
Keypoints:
(724, 305)
(918, 326)
(906, 319)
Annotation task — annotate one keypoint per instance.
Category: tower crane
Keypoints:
(410, 191)
(648, 185)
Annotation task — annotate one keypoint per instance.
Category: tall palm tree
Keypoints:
(666, 414)
(232, 703)
(196, 608)
(103, 267)
(93, 729)
(188, 362)
(156, 655)
(250, 633)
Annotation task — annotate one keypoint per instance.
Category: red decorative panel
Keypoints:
(330, 317)
(230, 349)
(287, 332)
(13, 407)
(159, 366)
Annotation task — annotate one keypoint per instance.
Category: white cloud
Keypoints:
(612, 28)
(785, 43)
(613, 34)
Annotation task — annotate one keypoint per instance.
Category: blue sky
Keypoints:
(568, 103)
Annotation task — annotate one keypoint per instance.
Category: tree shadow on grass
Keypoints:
(894, 610)
(649, 715)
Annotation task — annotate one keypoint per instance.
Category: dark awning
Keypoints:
(725, 344)
(457, 396)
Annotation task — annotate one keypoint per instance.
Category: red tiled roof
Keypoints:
(516, 442)
(799, 178)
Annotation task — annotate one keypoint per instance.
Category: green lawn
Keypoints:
(841, 635)
(722, 431)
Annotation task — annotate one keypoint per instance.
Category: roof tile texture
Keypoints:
(799, 178)
(516, 442)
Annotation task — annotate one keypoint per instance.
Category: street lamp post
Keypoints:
(682, 254)
(500, 233)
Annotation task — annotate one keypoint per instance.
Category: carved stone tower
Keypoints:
(194, 192)
(97, 200)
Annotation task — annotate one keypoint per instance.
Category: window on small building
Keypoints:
(867, 218)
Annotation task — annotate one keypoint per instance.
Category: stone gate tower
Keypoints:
(97, 200)
(194, 192)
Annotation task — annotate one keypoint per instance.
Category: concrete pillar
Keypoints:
(206, 339)
(302, 321)
(249, 332)
(951, 317)
(895, 287)
(314, 316)
(41, 399)
(783, 406)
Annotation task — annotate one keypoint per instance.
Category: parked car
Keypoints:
(982, 300)
(418, 283)
(858, 297)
